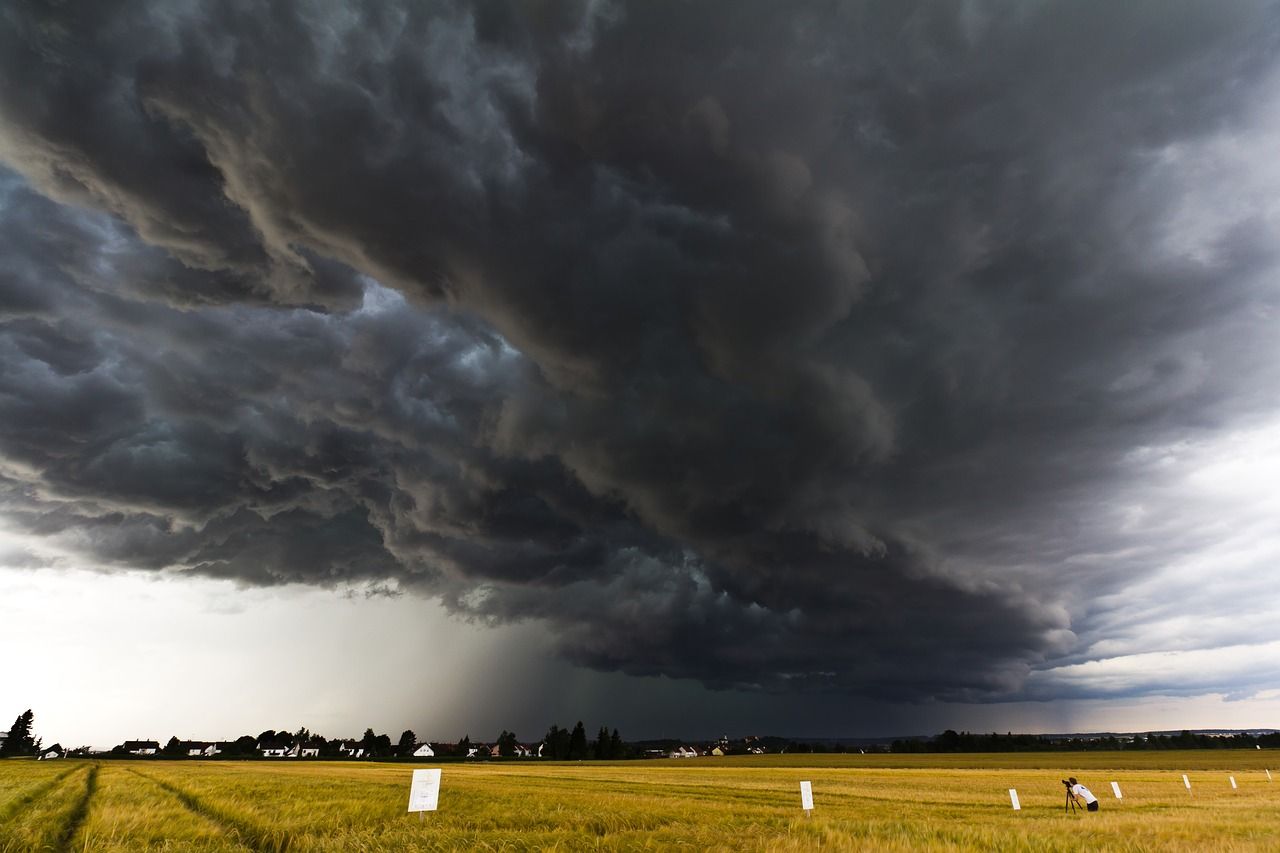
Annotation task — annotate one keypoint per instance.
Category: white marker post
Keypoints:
(1186, 782)
(1233, 782)
(806, 798)
(1268, 772)
(424, 793)
(1013, 798)
(1115, 786)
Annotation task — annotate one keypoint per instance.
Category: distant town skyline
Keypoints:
(806, 369)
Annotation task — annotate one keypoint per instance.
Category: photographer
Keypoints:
(1079, 792)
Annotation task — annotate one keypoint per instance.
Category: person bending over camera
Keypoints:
(1080, 792)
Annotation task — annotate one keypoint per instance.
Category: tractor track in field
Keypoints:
(243, 831)
(34, 795)
(79, 813)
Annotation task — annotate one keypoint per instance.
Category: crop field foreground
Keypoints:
(898, 802)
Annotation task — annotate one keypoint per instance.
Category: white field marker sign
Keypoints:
(1186, 782)
(424, 793)
(1013, 798)
(1115, 786)
(1233, 782)
(1268, 772)
(806, 796)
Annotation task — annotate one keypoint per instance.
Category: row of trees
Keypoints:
(1187, 740)
(374, 745)
(21, 740)
(952, 741)
(560, 744)
(564, 745)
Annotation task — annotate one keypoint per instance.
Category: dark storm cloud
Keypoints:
(773, 346)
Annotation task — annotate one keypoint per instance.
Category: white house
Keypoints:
(522, 751)
(54, 751)
(424, 751)
(350, 748)
(273, 751)
(684, 752)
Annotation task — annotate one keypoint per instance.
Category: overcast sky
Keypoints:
(817, 368)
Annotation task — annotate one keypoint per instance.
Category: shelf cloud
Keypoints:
(912, 352)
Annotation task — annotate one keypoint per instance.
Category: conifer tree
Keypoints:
(601, 747)
(615, 745)
(20, 741)
(557, 744)
(578, 743)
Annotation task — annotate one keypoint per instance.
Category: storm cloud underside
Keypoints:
(830, 347)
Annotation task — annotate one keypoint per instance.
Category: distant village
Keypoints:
(560, 744)
(283, 745)
(272, 744)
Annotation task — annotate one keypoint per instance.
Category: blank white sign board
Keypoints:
(424, 793)
(1115, 786)
(1186, 781)
(1233, 781)
(1013, 798)
(1268, 775)
(806, 796)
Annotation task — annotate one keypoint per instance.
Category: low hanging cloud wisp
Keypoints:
(792, 348)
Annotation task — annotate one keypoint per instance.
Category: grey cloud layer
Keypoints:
(778, 347)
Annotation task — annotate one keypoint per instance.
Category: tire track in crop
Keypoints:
(246, 832)
(35, 794)
(78, 813)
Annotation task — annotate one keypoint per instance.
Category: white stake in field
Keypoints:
(806, 798)
(1115, 786)
(1013, 798)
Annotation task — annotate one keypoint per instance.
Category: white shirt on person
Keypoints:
(1084, 793)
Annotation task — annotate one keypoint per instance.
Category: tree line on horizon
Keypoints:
(558, 744)
(952, 741)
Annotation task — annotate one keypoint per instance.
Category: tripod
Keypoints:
(1070, 803)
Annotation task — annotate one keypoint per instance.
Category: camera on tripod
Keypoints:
(1071, 795)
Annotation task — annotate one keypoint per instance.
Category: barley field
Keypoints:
(904, 802)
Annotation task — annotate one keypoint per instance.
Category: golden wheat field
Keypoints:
(753, 803)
